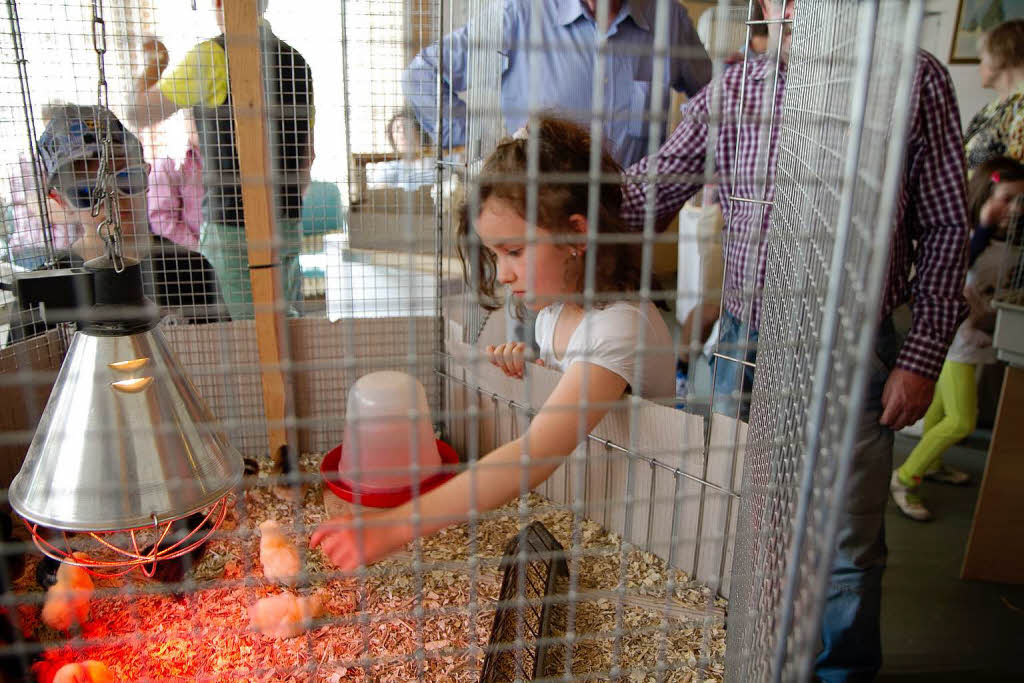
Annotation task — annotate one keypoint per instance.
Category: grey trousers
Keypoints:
(851, 629)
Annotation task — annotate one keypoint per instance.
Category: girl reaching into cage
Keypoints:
(583, 280)
(991, 192)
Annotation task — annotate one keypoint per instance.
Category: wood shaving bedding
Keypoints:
(392, 624)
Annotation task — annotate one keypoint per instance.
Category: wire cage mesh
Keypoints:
(1008, 297)
(1011, 279)
(841, 140)
(309, 237)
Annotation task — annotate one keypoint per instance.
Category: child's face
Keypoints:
(71, 192)
(404, 136)
(997, 207)
(503, 232)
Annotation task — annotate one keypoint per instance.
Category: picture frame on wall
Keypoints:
(973, 18)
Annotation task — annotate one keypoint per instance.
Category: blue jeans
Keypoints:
(850, 632)
(730, 380)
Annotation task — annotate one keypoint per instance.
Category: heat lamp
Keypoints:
(125, 446)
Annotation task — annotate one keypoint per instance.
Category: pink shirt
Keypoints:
(27, 231)
(175, 199)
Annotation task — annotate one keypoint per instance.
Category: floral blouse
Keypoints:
(997, 130)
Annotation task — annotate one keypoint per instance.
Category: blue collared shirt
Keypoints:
(564, 78)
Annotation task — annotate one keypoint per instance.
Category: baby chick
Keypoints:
(278, 555)
(67, 601)
(285, 615)
(89, 671)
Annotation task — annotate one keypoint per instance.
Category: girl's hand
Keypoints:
(996, 210)
(510, 357)
(348, 547)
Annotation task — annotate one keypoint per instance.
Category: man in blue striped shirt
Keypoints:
(562, 78)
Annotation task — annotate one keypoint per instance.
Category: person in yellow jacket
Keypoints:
(200, 83)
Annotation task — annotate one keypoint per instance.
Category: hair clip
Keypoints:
(994, 177)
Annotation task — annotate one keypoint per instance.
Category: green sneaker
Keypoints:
(907, 499)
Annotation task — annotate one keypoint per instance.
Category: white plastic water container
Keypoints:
(387, 429)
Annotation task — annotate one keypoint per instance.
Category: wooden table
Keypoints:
(995, 548)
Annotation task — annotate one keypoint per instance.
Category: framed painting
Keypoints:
(973, 18)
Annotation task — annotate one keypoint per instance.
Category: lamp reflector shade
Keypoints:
(124, 442)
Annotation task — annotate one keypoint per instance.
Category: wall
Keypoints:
(937, 38)
(695, 8)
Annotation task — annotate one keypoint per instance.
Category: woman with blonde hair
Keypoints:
(998, 129)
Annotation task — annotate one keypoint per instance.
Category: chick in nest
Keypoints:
(286, 465)
(67, 601)
(89, 671)
(285, 615)
(173, 571)
(278, 555)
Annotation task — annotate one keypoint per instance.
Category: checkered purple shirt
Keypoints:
(931, 207)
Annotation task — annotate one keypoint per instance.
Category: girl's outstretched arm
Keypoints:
(580, 400)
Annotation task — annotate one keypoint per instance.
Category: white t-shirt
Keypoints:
(971, 345)
(611, 337)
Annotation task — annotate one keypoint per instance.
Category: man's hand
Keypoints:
(905, 399)
(155, 60)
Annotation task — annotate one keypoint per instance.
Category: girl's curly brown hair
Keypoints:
(563, 150)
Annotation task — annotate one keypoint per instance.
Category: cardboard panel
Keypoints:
(222, 360)
(675, 517)
(725, 469)
(27, 372)
(675, 439)
(328, 357)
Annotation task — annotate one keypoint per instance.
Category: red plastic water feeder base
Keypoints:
(350, 495)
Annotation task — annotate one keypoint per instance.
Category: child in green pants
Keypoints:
(954, 410)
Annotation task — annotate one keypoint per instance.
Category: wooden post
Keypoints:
(245, 76)
(995, 548)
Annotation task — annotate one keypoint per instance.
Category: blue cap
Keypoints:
(76, 132)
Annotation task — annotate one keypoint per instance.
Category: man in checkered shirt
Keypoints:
(929, 235)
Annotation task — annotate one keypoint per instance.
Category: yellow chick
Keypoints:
(278, 555)
(74, 576)
(67, 601)
(283, 616)
(89, 671)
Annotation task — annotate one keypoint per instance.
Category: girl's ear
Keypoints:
(578, 226)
